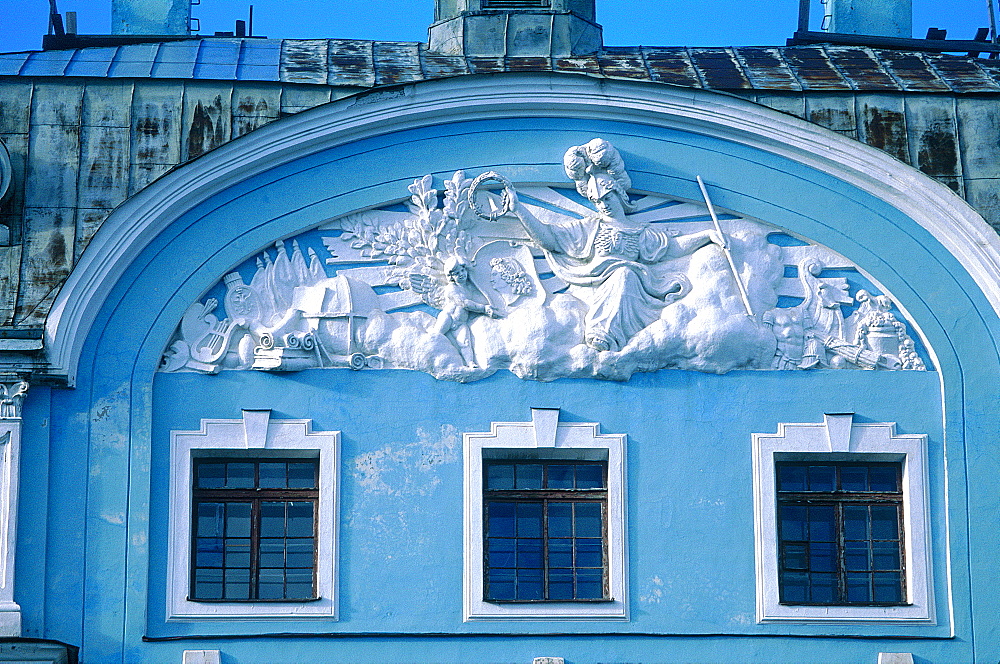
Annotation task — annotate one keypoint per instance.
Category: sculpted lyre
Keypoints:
(622, 265)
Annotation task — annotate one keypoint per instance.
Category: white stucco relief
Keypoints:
(546, 282)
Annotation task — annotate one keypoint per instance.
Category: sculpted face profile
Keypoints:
(509, 278)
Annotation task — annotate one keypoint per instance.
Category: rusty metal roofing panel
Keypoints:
(719, 69)
(303, 61)
(860, 68)
(440, 65)
(623, 63)
(396, 62)
(991, 68)
(671, 65)
(351, 62)
(911, 71)
(12, 63)
(133, 61)
(961, 73)
(527, 63)
(813, 69)
(485, 65)
(47, 63)
(577, 64)
(94, 62)
(260, 60)
(175, 60)
(217, 59)
(765, 69)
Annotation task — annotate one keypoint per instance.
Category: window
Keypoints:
(545, 522)
(545, 531)
(254, 531)
(516, 4)
(253, 527)
(841, 523)
(840, 533)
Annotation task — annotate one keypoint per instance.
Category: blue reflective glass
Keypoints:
(300, 519)
(858, 588)
(855, 522)
(791, 478)
(271, 584)
(211, 476)
(822, 557)
(298, 584)
(528, 476)
(794, 587)
(272, 519)
(500, 552)
(821, 523)
(272, 475)
(560, 584)
(588, 519)
(208, 584)
(888, 587)
(210, 519)
(590, 477)
(239, 475)
(237, 584)
(560, 553)
(822, 478)
(301, 476)
(560, 476)
(529, 553)
(238, 553)
(794, 556)
(589, 584)
(560, 519)
(793, 523)
(823, 588)
(885, 555)
(854, 478)
(501, 584)
(501, 519)
(589, 553)
(238, 520)
(299, 552)
(272, 552)
(856, 556)
(529, 584)
(883, 478)
(500, 477)
(885, 525)
(529, 519)
(208, 552)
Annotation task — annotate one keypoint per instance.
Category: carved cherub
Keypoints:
(456, 296)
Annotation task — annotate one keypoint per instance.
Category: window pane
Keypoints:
(272, 519)
(560, 519)
(793, 523)
(791, 478)
(272, 475)
(208, 552)
(529, 519)
(560, 476)
(590, 476)
(299, 584)
(302, 475)
(237, 584)
(299, 553)
(822, 557)
(238, 520)
(858, 588)
(529, 584)
(560, 553)
(238, 553)
(589, 553)
(271, 584)
(208, 583)
(560, 584)
(529, 553)
(856, 557)
(823, 588)
(854, 478)
(499, 477)
(500, 552)
(794, 587)
(821, 523)
(885, 555)
(885, 525)
(794, 556)
(528, 476)
(501, 584)
(211, 475)
(272, 552)
(300, 519)
(884, 478)
(501, 519)
(589, 584)
(822, 478)
(588, 520)
(856, 522)
(210, 516)
(239, 475)
(888, 587)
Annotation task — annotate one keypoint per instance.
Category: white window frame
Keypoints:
(256, 435)
(840, 438)
(546, 437)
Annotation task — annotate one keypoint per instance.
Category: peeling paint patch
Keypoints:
(116, 518)
(654, 591)
(403, 470)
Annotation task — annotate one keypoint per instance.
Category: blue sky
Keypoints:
(626, 22)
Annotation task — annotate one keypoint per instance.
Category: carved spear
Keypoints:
(725, 248)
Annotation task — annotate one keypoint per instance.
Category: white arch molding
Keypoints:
(131, 227)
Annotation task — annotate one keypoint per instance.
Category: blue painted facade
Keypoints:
(92, 541)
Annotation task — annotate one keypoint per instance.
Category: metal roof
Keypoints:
(358, 63)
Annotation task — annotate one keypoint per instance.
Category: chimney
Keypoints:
(533, 28)
(884, 18)
(150, 17)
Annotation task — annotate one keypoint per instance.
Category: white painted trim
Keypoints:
(138, 220)
(10, 459)
(6, 170)
(231, 436)
(568, 436)
(861, 442)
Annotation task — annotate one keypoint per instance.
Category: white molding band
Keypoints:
(131, 227)
(10, 453)
(845, 440)
(546, 437)
(255, 435)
